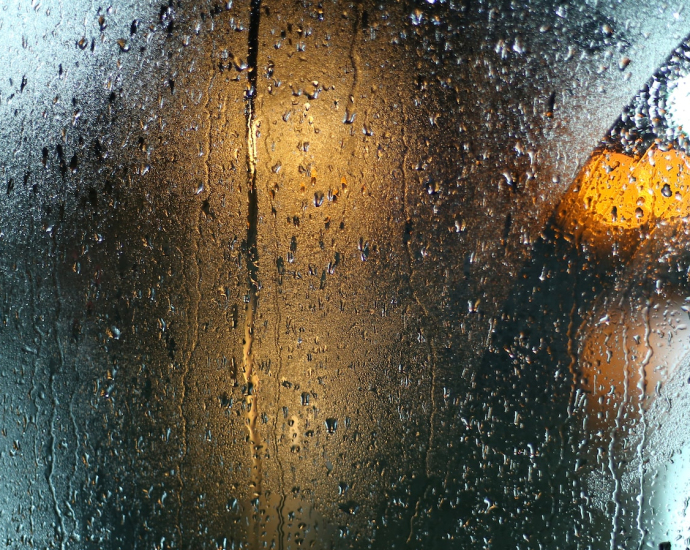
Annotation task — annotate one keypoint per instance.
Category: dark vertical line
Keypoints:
(253, 202)
(250, 375)
(253, 49)
(424, 323)
(354, 61)
(54, 368)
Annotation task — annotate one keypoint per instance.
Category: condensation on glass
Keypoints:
(322, 275)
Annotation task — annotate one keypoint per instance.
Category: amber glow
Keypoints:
(627, 347)
(631, 349)
(616, 194)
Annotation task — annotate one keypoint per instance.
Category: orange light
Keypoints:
(629, 347)
(616, 195)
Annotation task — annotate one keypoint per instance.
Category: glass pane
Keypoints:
(343, 275)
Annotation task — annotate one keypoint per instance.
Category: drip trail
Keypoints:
(250, 376)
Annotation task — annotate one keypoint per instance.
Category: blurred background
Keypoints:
(291, 274)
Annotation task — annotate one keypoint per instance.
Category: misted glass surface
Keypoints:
(343, 275)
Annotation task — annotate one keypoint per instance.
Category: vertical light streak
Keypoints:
(250, 376)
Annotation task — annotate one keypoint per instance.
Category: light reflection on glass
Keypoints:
(266, 262)
(634, 341)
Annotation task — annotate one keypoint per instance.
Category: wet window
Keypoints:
(344, 275)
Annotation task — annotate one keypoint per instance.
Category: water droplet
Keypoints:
(350, 507)
(417, 17)
(331, 425)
